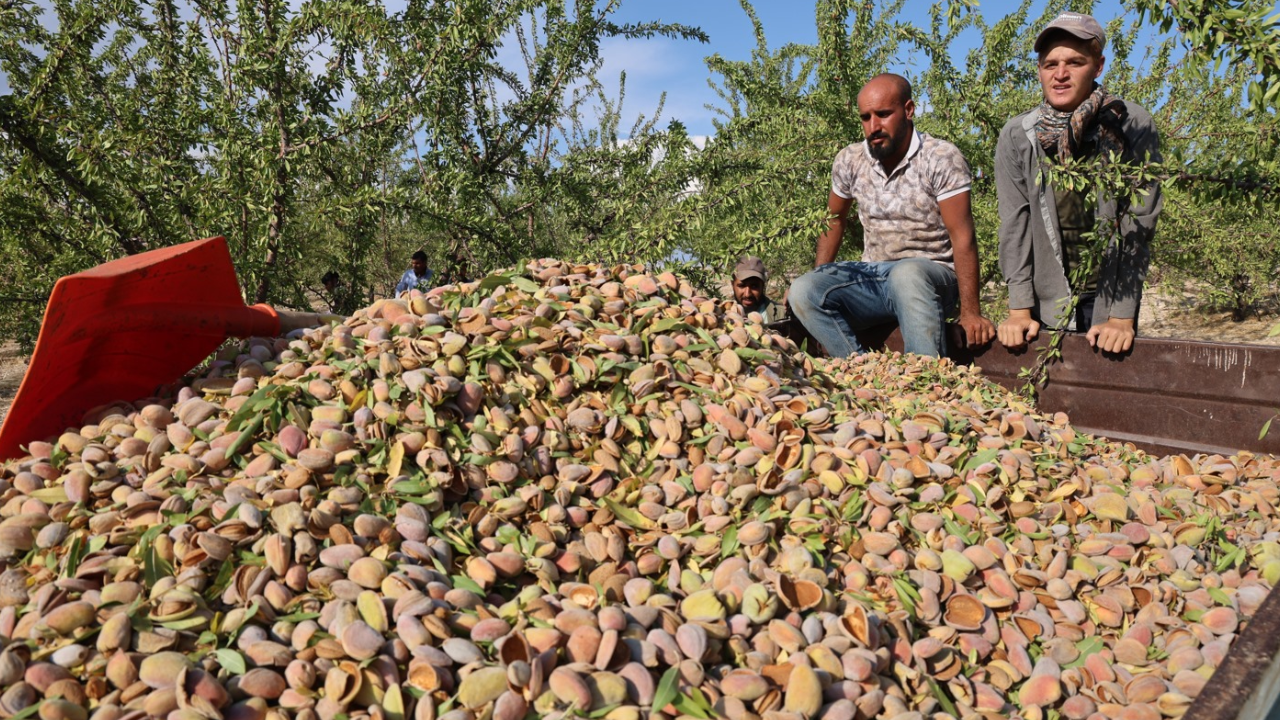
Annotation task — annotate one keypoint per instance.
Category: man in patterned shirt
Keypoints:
(919, 251)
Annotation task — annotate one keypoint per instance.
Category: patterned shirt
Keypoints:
(899, 213)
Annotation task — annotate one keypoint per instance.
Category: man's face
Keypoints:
(886, 120)
(419, 266)
(749, 292)
(1068, 68)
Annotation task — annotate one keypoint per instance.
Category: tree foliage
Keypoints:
(339, 134)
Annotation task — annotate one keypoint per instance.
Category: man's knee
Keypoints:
(805, 293)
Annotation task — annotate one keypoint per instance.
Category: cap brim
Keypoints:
(744, 274)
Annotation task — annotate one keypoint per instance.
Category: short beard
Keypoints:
(880, 152)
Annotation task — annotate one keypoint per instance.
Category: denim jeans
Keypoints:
(837, 299)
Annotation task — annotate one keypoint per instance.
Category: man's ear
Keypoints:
(1102, 62)
(909, 107)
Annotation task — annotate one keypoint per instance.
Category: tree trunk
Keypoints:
(280, 193)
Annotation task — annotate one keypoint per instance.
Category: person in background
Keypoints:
(1043, 228)
(332, 288)
(455, 271)
(338, 295)
(749, 284)
(331, 281)
(417, 275)
(920, 255)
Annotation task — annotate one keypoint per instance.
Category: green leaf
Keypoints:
(245, 436)
(154, 567)
(1086, 647)
(729, 544)
(232, 661)
(465, 583)
(75, 553)
(395, 460)
(1220, 597)
(689, 706)
(601, 712)
(298, 617)
(496, 280)
(944, 699)
(249, 407)
(904, 597)
(26, 712)
(273, 449)
(981, 457)
(701, 699)
(667, 688)
(630, 516)
(669, 324)
(185, 624)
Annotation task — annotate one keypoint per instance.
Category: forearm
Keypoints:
(966, 259)
(829, 241)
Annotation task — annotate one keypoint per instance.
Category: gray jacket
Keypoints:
(1030, 248)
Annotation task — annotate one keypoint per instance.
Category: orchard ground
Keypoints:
(1165, 313)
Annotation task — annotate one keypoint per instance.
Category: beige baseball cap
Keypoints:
(1084, 27)
(748, 267)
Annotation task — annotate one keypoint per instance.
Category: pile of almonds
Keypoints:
(577, 491)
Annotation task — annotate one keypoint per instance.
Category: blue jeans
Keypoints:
(837, 299)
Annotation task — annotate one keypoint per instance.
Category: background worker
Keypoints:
(1043, 227)
(750, 283)
(920, 254)
(455, 270)
(338, 295)
(417, 275)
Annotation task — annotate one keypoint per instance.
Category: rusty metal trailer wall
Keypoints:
(1164, 396)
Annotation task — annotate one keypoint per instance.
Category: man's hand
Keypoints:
(1018, 330)
(978, 330)
(1115, 335)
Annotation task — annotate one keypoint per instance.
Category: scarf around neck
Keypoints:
(1096, 122)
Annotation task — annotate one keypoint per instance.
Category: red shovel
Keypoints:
(121, 330)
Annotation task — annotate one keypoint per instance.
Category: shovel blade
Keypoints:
(119, 331)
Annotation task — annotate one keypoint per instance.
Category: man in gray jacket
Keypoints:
(1043, 228)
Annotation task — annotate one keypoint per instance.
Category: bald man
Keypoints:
(919, 253)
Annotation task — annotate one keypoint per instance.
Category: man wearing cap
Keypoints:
(749, 280)
(1043, 227)
(919, 253)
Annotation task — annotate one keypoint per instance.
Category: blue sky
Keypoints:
(678, 67)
